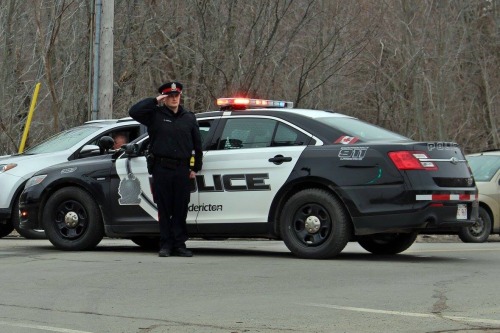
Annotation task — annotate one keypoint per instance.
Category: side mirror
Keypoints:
(106, 143)
(131, 149)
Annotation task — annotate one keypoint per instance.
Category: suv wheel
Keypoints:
(315, 225)
(479, 231)
(5, 229)
(26, 233)
(72, 220)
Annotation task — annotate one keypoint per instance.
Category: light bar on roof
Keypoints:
(245, 103)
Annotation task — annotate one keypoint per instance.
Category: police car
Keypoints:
(315, 179)
(74, 143)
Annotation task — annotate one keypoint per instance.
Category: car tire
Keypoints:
(5, 229)
(26, 233)
(479, 231)
(315, 225)
(147, 243)
(72, 220)
(387, 243)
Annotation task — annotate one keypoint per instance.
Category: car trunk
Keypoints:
(443, 165)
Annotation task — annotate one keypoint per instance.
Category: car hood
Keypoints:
(95, 162)
(27, 164)
(15, 158)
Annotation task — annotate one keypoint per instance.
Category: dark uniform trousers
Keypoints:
(171, 186)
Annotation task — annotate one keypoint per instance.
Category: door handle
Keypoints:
(278, 159)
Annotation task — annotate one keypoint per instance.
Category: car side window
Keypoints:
(204, 126)
(259, 133)
(247, 133)
(121, 134)
(288, 136)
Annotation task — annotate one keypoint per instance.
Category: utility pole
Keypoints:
(102, 100)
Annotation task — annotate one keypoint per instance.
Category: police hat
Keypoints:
(170, 88)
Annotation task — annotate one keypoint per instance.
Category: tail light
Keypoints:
(411, 160)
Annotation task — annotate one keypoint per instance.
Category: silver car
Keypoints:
(486, 170)
(74, 143)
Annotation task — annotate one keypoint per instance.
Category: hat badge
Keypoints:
(173, 86)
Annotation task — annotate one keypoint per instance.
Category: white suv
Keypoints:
(75, 143)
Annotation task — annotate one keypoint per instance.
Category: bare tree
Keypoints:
(426, 69)
(11, 117)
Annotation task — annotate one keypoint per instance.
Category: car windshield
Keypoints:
(358, 128)
(484, 167)
(63, 140)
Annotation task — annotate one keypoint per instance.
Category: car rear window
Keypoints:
(360, 129)
(484, 167)
(63, 140)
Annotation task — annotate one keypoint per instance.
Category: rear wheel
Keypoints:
(387, 243)
(147, 243)
(72, 220)
(479, 231)
(315, 225)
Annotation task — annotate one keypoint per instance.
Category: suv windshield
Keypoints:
(358, 128)
(63, 140)
(484, 167)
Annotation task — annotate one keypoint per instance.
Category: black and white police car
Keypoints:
(315, 179)
(71, 144)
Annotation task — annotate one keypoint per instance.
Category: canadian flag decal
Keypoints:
(345, 140)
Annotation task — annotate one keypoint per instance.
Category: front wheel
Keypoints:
(315, 225)
(387, 243)
(479, 231)
(72, 220)
(147, 243)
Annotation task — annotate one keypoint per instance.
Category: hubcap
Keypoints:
(71, 219)
(312, 224)
(477, 228)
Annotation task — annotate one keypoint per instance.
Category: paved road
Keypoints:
(247, 286)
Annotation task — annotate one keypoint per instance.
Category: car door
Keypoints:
(135, 183)
(248, 162)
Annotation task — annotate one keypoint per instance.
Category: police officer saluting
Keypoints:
(174, 134)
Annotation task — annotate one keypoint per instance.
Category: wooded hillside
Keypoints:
(427, 69)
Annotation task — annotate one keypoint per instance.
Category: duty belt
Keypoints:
(170, 162)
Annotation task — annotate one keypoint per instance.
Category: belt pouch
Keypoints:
(150, 161)
(168, 163)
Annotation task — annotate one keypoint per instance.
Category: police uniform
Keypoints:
(173, 138)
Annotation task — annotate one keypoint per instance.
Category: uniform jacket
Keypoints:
(172, 135)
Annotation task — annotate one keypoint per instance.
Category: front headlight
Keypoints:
(7, 167)
(35, 180)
